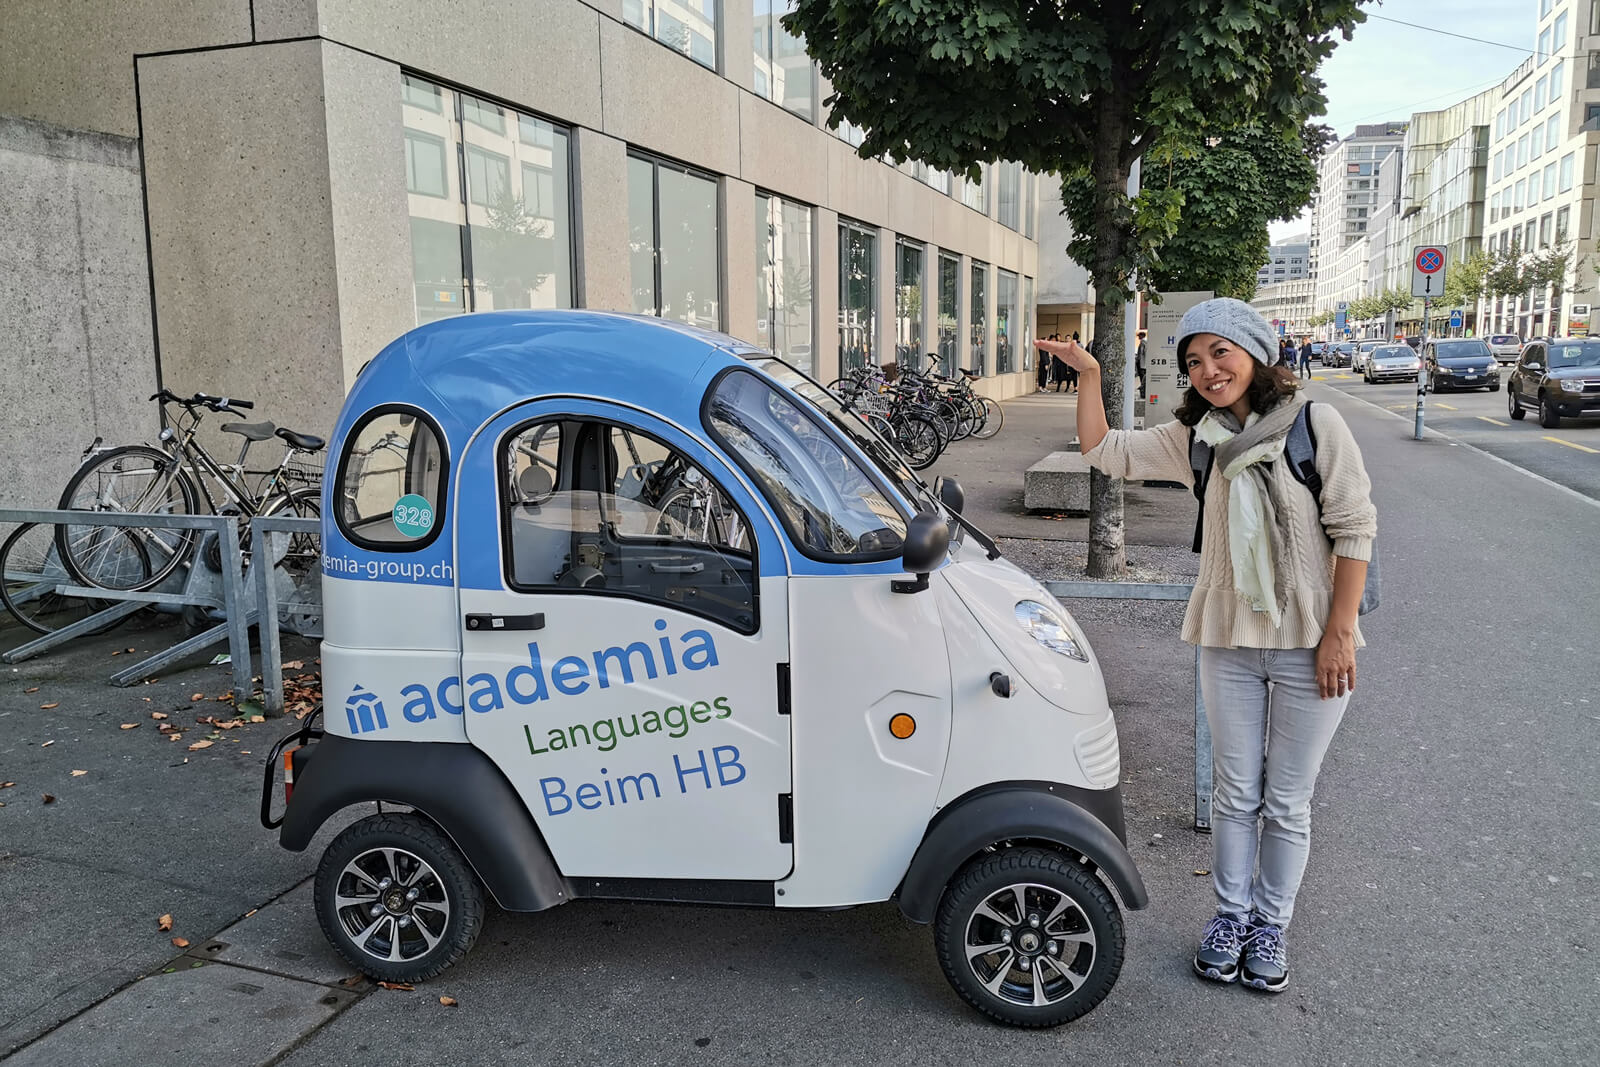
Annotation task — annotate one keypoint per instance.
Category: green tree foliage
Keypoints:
(1233, 184)
(1467, 280)
(1078, 88)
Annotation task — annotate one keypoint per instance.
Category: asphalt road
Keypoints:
(1451, 911)
(1569, 455)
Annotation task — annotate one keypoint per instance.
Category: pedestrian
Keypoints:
(1273, 611)
(1138, 362)
(1042, 371)
(1305, 358)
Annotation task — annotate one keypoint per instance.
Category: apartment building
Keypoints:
(1347, 191)
(1286, 261)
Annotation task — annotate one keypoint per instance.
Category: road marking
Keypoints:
(1401, 407)
(1447, 407)
(1569, 444)
(1497, 422)
(1485, 453)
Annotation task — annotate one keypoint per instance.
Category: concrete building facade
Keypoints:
(1288, 304)
(252, 197)
(1347, 191)
(1286, 261)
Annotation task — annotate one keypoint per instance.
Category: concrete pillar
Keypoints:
(884, 297)
(600, 225)
(734, 51)
(825, 255)
(736, 208)
(930, 300)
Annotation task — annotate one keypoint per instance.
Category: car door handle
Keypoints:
(677, 568)
(506, 622)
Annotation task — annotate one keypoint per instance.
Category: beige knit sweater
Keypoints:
(1217, 616)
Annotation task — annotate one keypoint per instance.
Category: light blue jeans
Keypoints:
(1269, 731)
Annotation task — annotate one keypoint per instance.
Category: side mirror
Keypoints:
(950, 494)
(1534, 364)
(926, 545)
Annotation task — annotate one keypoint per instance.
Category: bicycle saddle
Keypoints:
(251, 431)
(969, 373)
(299, 440)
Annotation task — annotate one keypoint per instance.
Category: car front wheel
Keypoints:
(1549, 414)
(1513, 405)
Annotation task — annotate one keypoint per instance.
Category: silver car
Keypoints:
(1364, 351)
(1392, 363)
(1505, 346)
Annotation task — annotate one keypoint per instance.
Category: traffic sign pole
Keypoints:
(1422, 377)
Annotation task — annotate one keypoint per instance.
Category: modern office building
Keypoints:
(1345, 199)
(1287, 305)
(1066, 297)
(252, 197)
(1287, 261)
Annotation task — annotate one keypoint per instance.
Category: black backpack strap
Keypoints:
(1201, 459)
(1300, 449)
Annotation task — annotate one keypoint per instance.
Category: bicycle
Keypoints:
(32, 578)
(172, 480)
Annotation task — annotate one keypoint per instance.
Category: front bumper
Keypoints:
(1392, 374)
(1457, 380)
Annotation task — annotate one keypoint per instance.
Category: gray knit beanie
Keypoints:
(1233, 319)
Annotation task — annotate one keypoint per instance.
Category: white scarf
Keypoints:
(1252, 517)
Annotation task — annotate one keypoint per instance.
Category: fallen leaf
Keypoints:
(229, 724)
(130, 726)
(47, 707)
(145, 699)
(404, 987)
(7, 785)
(130, 650)
(35, 689)
(48, 799)
(117, 652)
(258, 718)
(1201, 871)
(47, 744)
(79, 774)
(175, 736)
(197, 696)
(244, 752)
(449, 1002)
(157, 714)
(181, 942)
(198, 745)
(251, 912)
(353, 981)
(205, 719)
(165, 922)
(294, 665)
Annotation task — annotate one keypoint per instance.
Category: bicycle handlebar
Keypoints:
(215, 403)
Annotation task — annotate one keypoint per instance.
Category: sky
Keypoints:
(1387, 71)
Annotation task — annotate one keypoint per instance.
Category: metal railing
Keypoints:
(1202, 730)
(264, 534)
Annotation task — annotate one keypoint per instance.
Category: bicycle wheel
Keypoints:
(134, 479)
(31, 576)
(994, 417)
(917, 437)
(304, 554)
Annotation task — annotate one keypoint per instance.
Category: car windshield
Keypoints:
(1505, 339)
(1575, 354)
(1394, 352)
(1460, 349)
(855, 428)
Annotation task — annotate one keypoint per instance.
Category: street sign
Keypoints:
(1341, 312)
(1166, 381)
(1456, 320)
(1427, 271)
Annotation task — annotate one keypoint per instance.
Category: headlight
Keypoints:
(1568, 385)
(1050, 630)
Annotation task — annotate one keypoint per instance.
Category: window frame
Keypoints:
(441, 509)
(656, 163)
(507, 548)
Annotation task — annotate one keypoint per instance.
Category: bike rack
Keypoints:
(263, 530)
(1202, 729)
(235, 599)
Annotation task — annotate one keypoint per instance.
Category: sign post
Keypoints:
(1166, 380)
(1427, 281)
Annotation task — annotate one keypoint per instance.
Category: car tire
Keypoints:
(417, 879)
(1069, 902)
(1549, 414)
(1514, 406)
(1494, 387)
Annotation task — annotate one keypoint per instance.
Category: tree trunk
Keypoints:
(1107, 551)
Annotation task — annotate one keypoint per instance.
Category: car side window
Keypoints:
(1533, 355)
(605, 508)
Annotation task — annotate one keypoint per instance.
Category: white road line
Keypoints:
(1569, 491)
(1570, 444)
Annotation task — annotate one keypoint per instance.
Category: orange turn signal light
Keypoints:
(902, 726)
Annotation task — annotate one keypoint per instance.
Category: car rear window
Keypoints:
(1394, 352)
(1505, 339)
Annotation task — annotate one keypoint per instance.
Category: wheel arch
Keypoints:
(454, 786)
(1081, 822)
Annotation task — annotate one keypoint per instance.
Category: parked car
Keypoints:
(1559, 379)
(1392, 363)
(1460, 363)
(1505, 346)
(1358, 361)
(1339, 353)
(1318, 348)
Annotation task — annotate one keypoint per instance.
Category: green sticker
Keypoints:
(413, 515)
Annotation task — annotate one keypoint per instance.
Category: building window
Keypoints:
(1549, 188)
(949, 311)
(481, 240)
(1522, 150)
(1030, 203)
(1526, 105)
(1558, 75)
(1558, 35)
(1544, 230)
(858, 279)
(1563, 225)
(784, 73)
(1552, 133)
(1567, 162)
(1594, 70)
(784, 301)
(908, 290)
(973, 193)
(980, 322)
(1539, 89)
(672, 242)
(1520, 190)
(1028, 352)
(1006, 326)
(1494, 207)
(1008, 184)
(1536, 142)
(1544, 46)
(938, 180)
(687, 26)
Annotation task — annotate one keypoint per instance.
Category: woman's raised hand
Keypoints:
(1072, 353)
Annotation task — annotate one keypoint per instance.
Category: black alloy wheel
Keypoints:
(1514, 406)
(1549, 414)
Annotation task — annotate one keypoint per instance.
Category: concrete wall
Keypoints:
(77, 359)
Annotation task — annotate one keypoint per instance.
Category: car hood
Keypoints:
(1573, 372)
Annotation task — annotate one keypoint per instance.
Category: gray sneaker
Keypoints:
(1266, 958)
(1221, 946)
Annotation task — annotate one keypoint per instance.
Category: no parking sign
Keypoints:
(1427, 271)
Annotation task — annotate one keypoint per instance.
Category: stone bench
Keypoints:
(1058, 482)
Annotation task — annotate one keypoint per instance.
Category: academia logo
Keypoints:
(365, 712)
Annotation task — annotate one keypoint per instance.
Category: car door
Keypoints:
(1530, 371)
(623, 598)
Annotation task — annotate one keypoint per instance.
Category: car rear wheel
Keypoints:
(1514, 406)
(1549, 414)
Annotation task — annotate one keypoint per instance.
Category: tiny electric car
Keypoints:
(621, 609)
